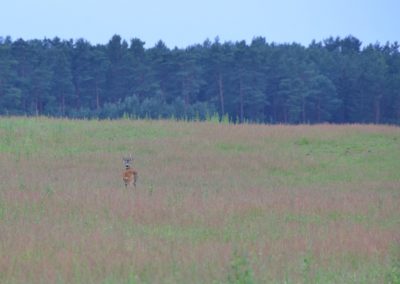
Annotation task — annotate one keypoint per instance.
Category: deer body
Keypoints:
(130, 175)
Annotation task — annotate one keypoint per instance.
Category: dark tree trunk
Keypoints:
(221, 94)
(241, 95)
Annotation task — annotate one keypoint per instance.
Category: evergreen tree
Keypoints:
(10, 94)
(216, 69)
(97, 77)
(189, 76)
(62, 88)
(118, 74)
(372, 84)
(324, 101)
(140, 73)
(81, 74)
(336, 80)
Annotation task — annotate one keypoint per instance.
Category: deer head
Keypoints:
(128, 161)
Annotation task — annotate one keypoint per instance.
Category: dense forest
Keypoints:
(338, 80)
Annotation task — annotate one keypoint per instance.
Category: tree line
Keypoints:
(336, 80)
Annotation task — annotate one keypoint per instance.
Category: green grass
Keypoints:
(215, 203)
(71, 137)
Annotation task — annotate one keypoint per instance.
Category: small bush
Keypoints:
(240, 271)
(393, 275)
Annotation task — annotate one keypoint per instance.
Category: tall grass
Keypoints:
(215, 203)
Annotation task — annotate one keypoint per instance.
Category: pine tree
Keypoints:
(62, 87)
(10, 95)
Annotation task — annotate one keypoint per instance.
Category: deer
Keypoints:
(130, 175)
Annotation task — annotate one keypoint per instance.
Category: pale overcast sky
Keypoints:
(185, 22)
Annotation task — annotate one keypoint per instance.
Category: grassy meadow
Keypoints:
(215, 203)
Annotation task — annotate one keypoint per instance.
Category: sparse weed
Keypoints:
(240, 271)
(393, 275)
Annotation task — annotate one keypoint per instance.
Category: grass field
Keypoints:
(215, 203)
